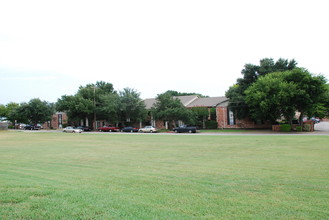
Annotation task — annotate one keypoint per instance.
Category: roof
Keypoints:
(192, 101)
(207, 102)
(149, 103)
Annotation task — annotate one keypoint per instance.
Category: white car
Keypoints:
(148, 129)
(72, 130)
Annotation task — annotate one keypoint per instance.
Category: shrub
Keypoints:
(211, 125)
(285, 127)
(307, 127)
(299, 128)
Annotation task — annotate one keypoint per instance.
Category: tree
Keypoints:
(282, 94)
(107, 107)
(14, 113)
(131, 106)
(75, 106)
(271, 97)
(35, 112)
(251, 73)
(38, 111)
(3, 111)
(90, 101)
(169, 108)
(312, 91)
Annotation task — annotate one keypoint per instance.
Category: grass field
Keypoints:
(136, 176)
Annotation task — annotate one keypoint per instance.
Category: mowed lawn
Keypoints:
(142, 176)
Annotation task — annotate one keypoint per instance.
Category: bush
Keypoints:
(285, 127)
(307, 127)
(299, 128)
(211, 125)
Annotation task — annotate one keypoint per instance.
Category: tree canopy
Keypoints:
(34, 112)
(102, 101)
(282, 94)
(251, 73)
(170, 108)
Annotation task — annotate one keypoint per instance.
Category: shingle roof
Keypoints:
(149, 103)
(207, 102)
(186, 100)
(191, 101)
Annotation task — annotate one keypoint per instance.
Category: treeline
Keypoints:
(100, 102)
(269, 91)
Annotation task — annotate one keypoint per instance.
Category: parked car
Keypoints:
(129, 129)
(85, 128)
(22, 126)
(108, 129)
(72, 130)
(32, 127)
(185, 128)
(148, 129)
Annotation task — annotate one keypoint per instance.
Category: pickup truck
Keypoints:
(185, 128)
(108, 129)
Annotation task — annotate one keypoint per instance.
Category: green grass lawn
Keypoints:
(136, 176)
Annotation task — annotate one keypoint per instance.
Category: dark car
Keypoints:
(32, 127)
(85, 128)
(129, 129)
(185, 128)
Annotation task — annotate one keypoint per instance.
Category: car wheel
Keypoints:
(190, 131)
(131, 131)
(176, 131)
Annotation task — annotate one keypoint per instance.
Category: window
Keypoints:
(230, 117)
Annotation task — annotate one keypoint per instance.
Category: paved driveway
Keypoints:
(322, 127)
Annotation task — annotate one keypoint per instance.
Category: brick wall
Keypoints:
(54, 121)
(222, 120)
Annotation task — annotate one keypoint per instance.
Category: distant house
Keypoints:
(223, 115)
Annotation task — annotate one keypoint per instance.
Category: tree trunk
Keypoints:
(301, 116)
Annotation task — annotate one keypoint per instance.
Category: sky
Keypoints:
(50, 48)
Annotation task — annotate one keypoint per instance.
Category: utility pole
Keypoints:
(95, 124)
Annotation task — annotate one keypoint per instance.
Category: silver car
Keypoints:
(148, 129)
(72, 130)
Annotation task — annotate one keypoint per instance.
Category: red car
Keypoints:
(108, 129)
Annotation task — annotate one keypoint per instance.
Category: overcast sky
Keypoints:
(50, 48)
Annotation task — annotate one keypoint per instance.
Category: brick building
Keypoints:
(224, 117)
(57, 121)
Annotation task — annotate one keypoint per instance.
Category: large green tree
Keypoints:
(34, 112)
(282, 94)
(170, 108)
(75, 106)
(251, 73)
(131, 106)
(271, 97)
(91, 101)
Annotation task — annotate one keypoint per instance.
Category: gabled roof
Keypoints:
(192, 101)
(149, 103)
(186, 100)
(207, 102)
